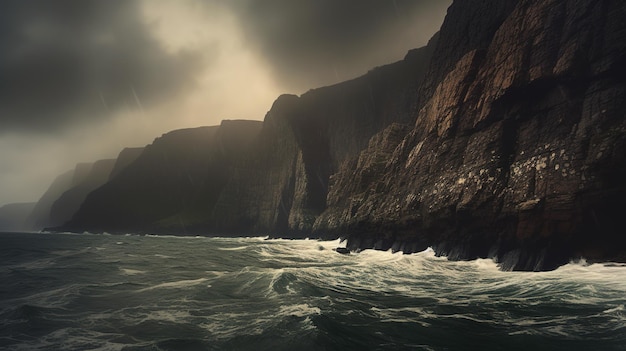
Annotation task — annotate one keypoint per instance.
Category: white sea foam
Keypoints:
(615, 309)
(175, 285)
(298, 310)
(162, 256)
(128, 271)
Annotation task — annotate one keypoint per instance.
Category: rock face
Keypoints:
(518, 154)
(171, 186)
(13, 216)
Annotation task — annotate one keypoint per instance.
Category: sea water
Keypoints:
(106, 292)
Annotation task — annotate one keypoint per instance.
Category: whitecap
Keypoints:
(615, 309)
(299, 310)
(162, 256)
(175, 284)
(128, 271)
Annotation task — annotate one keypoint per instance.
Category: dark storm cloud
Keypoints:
(65, 60)
(309, 42)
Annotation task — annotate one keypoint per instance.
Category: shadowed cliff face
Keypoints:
(68, 191)
(126, 157)
(518, 154)
(171, 186)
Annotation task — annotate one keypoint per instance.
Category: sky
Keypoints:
(82, 79)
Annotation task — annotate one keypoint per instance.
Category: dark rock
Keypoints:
(342, 250)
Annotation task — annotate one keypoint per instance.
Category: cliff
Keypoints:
(503, 137)
(280, 188)
(86, 178)
(13, 216)
(170, 186)
(518, 154)
(39, 217)
(124, 159)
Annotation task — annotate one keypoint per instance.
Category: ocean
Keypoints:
(107, 292)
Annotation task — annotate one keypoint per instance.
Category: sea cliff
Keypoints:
(503, 138)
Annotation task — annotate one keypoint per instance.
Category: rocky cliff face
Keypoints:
(171, 186)
(518, 154)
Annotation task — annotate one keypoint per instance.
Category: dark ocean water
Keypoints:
(102, 292)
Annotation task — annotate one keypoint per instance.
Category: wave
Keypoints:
(129, 271)
(259, 293)
(175, 284)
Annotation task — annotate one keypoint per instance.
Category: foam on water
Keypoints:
(128, 271)
(175, 284)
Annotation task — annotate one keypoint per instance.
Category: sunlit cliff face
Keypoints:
(82, 79)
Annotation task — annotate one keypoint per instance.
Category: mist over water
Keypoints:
(103, 292)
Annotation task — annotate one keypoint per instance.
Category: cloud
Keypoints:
(70, 61)
(309, 43)
(81, 79)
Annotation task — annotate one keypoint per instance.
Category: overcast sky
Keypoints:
(81, 79)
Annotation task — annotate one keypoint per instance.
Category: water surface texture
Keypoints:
(103, 292)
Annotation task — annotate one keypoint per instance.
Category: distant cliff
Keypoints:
(503, 137)
(84, 182)
(13, 216)
(171, 186)
(39, 217)
(68, 191)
